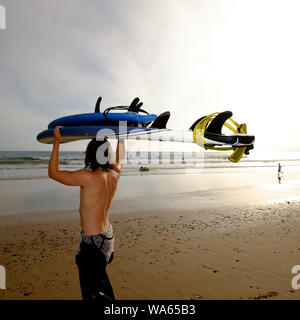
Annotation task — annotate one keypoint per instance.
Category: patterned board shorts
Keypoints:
(104, 241)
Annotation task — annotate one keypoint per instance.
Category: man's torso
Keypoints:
(95, 200)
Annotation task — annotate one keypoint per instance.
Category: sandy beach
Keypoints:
(231, 232)
(231, 252)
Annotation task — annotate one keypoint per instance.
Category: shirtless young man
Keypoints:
(98, 182)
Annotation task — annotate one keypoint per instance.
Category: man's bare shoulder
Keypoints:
(102, 174)
(85, 174)
(117, 168)
(115, 172)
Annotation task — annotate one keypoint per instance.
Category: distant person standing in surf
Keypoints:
(98, 182)
(279, 173)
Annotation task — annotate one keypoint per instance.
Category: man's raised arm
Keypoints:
(120, 154)
(70, 178)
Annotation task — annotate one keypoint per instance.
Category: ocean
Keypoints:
(28, 165)
(25, 186)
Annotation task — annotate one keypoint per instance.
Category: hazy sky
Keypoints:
(189, 57)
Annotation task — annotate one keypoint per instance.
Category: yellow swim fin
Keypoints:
(200, 127)
(236, 156)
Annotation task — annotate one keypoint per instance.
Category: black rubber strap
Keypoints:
(120, 108)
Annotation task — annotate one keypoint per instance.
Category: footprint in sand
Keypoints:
(269, 294)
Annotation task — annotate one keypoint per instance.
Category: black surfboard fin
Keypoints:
(135, 105)
(161, 121)
(216, 125)
(195, 123)
(138, 106)
(97, 106)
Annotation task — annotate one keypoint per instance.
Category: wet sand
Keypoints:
(232, 252)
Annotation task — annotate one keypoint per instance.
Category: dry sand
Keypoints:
(244, 252)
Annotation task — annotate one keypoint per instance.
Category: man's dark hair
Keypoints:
(91, 161)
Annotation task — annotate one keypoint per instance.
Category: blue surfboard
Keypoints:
(99, 119)
(89, 132)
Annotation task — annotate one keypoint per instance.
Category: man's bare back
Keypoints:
(95, 200)
(97, 188)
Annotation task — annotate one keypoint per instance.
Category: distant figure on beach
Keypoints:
(280, 174)
(144, 169)
(98, 182)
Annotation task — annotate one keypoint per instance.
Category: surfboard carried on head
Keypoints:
(132, 122)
